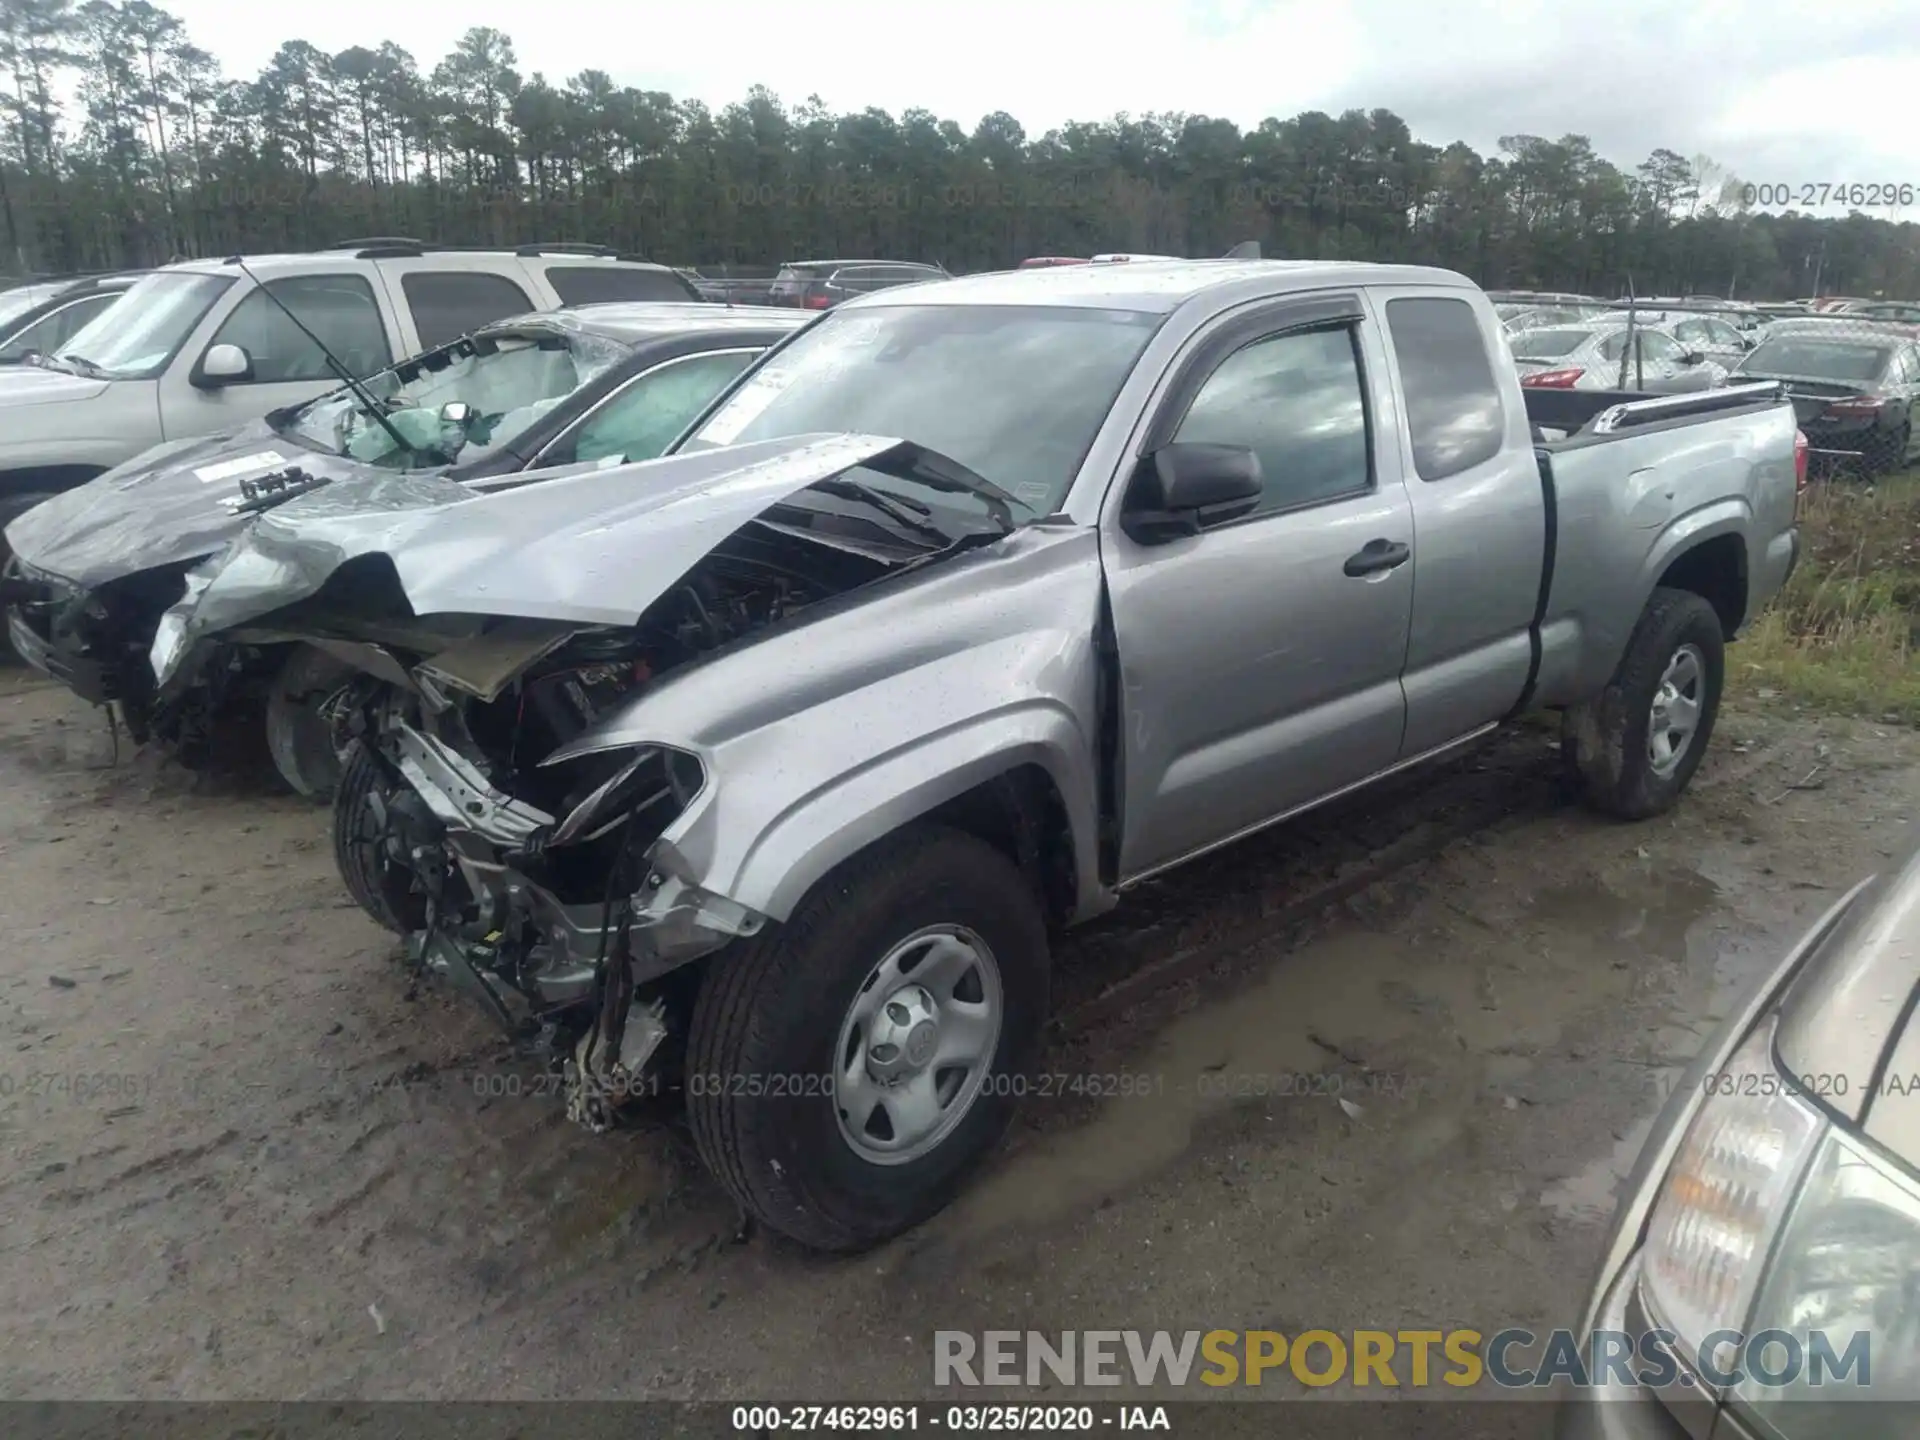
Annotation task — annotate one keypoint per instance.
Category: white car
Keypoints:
(196, 349)
(1588, 357)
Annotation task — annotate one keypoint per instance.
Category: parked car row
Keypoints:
(205, 346)
(737, 702)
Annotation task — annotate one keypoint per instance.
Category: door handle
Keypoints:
(1377, 556)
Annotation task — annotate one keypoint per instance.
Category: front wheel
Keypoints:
(298, 735)
(846, 1069)
(1633, 748)
(382, 888)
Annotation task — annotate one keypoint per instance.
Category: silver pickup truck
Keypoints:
(964, 610)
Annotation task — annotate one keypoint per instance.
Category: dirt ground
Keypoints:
(246, 1159)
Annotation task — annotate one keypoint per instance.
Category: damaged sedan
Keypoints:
(763, 770)
(522, 399)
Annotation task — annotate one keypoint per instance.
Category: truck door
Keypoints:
(284, 367)
(1479, 515)
(1260, 659)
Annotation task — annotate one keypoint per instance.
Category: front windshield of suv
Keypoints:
(138, 338)
(507, 381)
(1015, 393)
(1797, 357)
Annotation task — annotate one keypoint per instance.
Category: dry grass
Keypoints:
(1845, 633)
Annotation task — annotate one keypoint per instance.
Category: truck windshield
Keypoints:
(1547, 344)
(138, 338)
(1810, 359)
(507, 382)
(1014, 393)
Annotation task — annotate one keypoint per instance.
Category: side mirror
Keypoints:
(1181, 489)
(456, 412)
(223, 365)
(1692, 357)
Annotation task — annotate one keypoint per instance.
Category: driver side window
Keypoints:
(339, 309)
(1295, 400)
(639, 421)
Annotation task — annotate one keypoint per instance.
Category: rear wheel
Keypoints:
(298, 736)
(846, 1069)
(381, 887)
(1633, 748)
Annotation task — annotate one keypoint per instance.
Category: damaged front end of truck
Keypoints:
(492, 809)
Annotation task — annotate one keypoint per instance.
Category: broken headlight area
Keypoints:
(93, 640)
(574, 942)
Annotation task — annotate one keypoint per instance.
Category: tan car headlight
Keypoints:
(1725, 1199)
(1845, 1286)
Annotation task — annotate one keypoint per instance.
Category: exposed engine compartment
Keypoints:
(530, 886)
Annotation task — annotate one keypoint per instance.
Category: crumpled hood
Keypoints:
(167, 505)
(33, 385)
(595, 548)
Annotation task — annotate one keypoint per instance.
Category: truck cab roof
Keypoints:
(1159, 286)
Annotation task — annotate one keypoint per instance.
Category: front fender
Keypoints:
(821, 740)
(774, 866)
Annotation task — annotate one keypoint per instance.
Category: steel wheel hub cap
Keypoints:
(916, 1043)
(1675, 716)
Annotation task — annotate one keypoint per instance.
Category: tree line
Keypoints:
(159, 155)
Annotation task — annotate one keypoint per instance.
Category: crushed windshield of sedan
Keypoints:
(506, 381)
(1014, 394)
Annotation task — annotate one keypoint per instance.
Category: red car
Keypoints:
(1037, 262)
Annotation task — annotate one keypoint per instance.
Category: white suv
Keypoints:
(195, 348)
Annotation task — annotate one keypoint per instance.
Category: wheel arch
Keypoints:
(1019, 779)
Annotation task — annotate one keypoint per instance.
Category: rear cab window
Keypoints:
(601, 284)
(447, 304)
(1454, 415)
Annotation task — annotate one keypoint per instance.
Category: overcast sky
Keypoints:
(1782, 91)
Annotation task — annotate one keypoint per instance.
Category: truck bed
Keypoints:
(1564, 418)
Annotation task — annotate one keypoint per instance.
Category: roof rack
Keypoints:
(568, 247)
(377, 242)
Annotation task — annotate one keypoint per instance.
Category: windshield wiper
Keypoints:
(896, 507)
(79, 365)
(943, 472)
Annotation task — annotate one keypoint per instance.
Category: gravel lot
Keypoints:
(246, 1159)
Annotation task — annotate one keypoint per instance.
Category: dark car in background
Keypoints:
(733, 284)
(823, 284)
(37, 317)
(1855, 386)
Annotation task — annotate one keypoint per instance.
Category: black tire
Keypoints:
(384, 892)
(297, 735)
(1885, 451)
(770, 1007)
(1605, 741)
